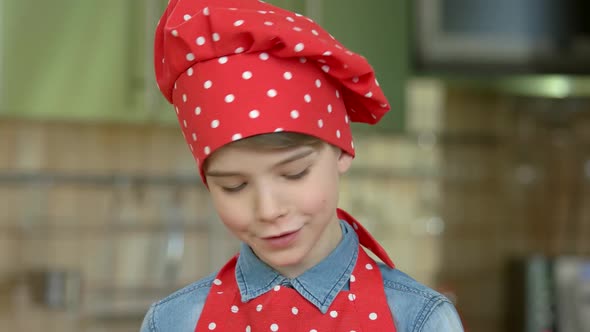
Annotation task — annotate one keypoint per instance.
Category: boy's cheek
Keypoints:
(318, 194)
(235, 223)
(229, 211)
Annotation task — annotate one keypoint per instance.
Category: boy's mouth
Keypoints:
(282, 240)
(281, 235)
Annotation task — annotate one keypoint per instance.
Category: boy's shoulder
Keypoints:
(180, 310)
(396, 280)
(186, 293)
(416, 307)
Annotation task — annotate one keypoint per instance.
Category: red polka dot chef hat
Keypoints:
(238, 68)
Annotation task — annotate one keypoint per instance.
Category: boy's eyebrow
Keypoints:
(287, 160)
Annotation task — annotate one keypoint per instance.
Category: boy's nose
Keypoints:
(269, 205)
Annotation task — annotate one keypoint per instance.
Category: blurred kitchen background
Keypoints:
(477, 183)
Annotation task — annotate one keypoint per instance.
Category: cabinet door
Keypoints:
(376, 29)
(67, 58)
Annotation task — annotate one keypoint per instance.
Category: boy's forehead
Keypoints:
(236, 156)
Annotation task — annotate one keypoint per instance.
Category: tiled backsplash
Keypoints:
(478, 180)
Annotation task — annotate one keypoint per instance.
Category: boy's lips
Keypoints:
(280, 235)
(282, 240)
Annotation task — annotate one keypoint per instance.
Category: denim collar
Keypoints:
(319, 285)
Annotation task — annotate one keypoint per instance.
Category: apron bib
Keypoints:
(363, 308)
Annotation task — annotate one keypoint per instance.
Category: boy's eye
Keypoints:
(234, 189)
(298, 175)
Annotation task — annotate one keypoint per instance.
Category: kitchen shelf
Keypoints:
(540, 86)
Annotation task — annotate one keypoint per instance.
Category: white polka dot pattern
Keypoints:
(299, 47)
(254, 114)
(230, 98)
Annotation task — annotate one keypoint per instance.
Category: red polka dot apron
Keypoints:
(362, 308)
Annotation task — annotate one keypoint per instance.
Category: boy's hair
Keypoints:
(277, 141)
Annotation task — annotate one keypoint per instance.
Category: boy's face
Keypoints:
(282, 203)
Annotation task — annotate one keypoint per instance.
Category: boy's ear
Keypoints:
(344, 162)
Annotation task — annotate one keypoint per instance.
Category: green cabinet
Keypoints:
(70, 59)
(378, 30)
(91, 60)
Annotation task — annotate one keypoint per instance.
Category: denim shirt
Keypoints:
(415, 307)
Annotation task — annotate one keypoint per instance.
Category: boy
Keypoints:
(264, 98)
